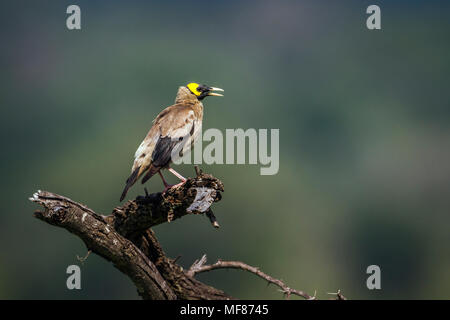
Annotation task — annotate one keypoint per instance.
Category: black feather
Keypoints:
(130, 181)
(150, 173)
(162, 154)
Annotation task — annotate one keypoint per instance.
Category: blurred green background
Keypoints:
(364, 139)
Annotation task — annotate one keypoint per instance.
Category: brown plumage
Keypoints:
(180, 122)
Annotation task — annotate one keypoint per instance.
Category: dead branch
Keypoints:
(200, 266)
(194, 197)
(125, 238)
(101, 238)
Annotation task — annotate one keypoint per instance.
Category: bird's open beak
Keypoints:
(210, 93)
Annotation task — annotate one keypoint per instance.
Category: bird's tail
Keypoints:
(151, 172)
(130, 181)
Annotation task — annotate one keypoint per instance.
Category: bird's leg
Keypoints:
(163, 180)
(176, 174)
(166, 185)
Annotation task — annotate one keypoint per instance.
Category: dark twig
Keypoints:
(83, 259)
(338, 295)
(212, 218)
(200, 266)
(198, 171)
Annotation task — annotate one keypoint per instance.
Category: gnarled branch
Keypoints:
(101, 238)
(125, 237)
(200, 266)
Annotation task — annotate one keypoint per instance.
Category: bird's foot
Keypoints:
(170, 186)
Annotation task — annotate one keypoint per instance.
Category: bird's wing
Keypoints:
(172, 124)
(176, 127)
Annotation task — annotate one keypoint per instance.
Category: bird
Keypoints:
(181, 121)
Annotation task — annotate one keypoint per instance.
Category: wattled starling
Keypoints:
(179, 122)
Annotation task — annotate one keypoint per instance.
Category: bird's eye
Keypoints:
(202, 88)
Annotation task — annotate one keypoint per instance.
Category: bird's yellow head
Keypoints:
(201, 91)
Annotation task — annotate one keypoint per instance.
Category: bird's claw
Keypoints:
(170, 186)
